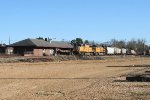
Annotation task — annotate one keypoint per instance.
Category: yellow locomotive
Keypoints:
(89, 50)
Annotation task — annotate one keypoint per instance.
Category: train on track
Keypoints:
(99, 50)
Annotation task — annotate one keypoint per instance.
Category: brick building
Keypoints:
(37, 47)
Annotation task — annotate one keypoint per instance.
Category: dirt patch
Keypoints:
(73, 80)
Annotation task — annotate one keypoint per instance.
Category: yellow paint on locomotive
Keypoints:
(85, 49)
(99, 50)
(89, 49)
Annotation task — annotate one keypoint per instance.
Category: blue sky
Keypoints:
(99, 20)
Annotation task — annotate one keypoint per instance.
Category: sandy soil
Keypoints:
(73, 80)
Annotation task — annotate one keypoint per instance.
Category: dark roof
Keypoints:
(3, 45)
(41, 43)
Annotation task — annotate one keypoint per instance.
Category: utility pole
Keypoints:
(9, 40)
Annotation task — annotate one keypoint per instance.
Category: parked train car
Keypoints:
(124, 51)
(110, 50)
(117, 50)
(131, 52)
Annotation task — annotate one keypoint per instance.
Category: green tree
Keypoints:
(86, 42)
(73, 42)
(77, 42)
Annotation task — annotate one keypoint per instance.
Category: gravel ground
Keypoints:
(73, 80)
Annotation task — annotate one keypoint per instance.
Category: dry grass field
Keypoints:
(73, 80)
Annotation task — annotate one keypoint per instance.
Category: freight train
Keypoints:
(95, 50)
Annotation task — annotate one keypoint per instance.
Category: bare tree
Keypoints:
(131, 44)
(138, 45)
(119, 44)
(141, 46)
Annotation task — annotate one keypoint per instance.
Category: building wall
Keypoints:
(28, 55)
(2, 50)
(47, 52)
(22, 50)
(9, 50)
(38, 52)
(52, 52)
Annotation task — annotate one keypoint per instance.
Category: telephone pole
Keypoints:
(9, 40)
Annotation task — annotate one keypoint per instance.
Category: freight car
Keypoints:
(110, 50)
(115, 51)
(131, 52)
(124, 51)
